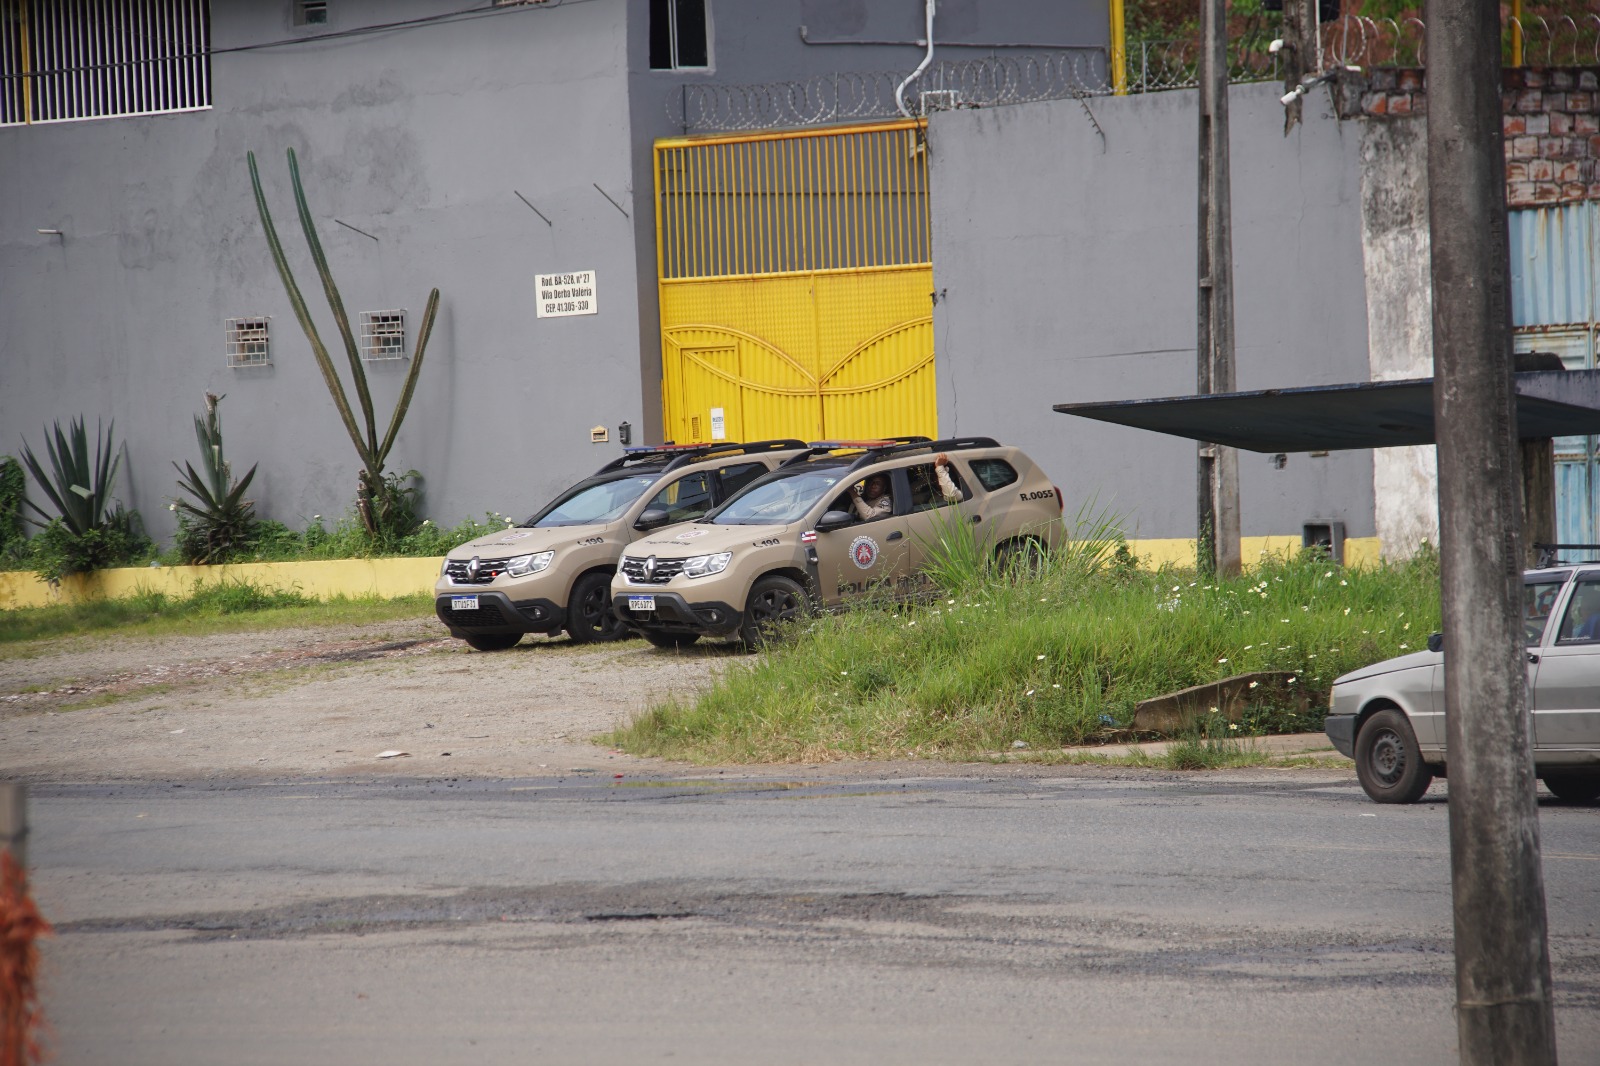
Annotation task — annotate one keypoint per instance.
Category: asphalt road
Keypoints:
(1070, 915)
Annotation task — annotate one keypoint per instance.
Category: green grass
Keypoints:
(1058, 658)
(223, 607)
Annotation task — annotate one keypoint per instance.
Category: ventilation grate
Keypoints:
(383, 335)
(248, 341)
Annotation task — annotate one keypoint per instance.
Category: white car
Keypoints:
(1389, 717)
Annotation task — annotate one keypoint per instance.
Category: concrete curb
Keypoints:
(1315, 745)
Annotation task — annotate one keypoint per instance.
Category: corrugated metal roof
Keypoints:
(1376, 414)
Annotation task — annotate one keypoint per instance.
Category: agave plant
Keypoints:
(220, 520)
(80, 488)
(89, 533)
(380, 512)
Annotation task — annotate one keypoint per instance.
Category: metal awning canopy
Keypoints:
(1323, 418)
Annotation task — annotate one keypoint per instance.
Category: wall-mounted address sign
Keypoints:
(561, 295)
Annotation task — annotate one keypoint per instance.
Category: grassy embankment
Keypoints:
(1059, 658)
(224, 607)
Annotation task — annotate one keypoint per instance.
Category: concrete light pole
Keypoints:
(1217, 537)
(1503, 997)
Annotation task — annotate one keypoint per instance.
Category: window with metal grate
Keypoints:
(310, 12)
(62, 62)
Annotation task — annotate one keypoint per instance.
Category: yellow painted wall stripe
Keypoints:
(388, 578)
(384, 578)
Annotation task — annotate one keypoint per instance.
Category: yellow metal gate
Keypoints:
(795, 277)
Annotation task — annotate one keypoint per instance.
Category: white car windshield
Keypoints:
(784, 499)
(594, 502)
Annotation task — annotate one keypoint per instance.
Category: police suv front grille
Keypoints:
(488, 570)
(663, 571)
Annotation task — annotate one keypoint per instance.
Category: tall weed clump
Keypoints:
(1057, 657)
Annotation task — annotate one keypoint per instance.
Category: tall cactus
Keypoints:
(371, 501)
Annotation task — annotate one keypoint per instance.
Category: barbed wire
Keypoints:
(1152, 66)
(858, 95)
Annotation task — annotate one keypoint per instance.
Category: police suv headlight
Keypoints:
(523, 565)
(706, 565)
(444, 567)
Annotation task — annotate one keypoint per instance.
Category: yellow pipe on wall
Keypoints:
(27, 67)
(1516, 33)
(1119, 50)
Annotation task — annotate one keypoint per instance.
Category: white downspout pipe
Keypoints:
(899, 92)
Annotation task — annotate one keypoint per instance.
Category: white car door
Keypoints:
(1566, 684)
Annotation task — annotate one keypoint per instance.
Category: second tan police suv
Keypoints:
(807, 535)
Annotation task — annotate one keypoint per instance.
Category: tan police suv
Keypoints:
(553, 571)
(795, 540)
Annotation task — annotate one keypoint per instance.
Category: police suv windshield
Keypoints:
(781, 497)
(598, 500)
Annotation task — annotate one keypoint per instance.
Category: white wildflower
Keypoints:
(1222, 660)
(1253, 684)
(1039, 658)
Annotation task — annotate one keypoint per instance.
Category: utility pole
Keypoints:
(1301, 52)
(1217, 539)
(1504, 1012)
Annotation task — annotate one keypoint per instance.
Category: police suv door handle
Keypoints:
(1533, 657)
(893, 536)
(977, 518)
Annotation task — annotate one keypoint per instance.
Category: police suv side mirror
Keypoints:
(834, 520)
(1436, 642)
(654, 518)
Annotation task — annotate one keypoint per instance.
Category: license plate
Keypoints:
(463, 603)
(641, 603)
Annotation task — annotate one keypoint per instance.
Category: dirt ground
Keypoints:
(326, 701)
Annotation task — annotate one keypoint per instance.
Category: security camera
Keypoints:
(1276, 46)
(1292, 95)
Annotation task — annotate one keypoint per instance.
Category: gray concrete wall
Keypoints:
(1394, 209)
(417, 137)
(1065, 267)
